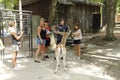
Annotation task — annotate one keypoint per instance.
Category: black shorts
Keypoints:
(77, 41)
(48, 42)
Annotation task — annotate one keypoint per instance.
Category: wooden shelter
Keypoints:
(80, 11)
(73, 11)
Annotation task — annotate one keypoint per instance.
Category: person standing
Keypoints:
(77, 39)
(48, 40)
(61, 27)
(41, 40)
(15, 42)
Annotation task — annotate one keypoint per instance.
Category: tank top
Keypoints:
(14, 40)
(43, 34)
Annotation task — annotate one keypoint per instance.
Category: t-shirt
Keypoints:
(78, 37)
(61, 28)
(48, 32)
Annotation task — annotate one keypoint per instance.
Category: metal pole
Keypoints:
(20, 13)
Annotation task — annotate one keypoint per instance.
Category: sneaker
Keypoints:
(78, 58)
(15, 69)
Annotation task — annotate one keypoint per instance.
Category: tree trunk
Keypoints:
(53, 8)
(110, 19)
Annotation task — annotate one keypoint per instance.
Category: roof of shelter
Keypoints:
(86, 2)
(26, 2)
(67, 2)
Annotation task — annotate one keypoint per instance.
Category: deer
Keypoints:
(61, 50)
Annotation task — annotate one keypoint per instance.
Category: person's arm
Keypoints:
(38, 32)
(16, 36)
(55, 30)
(76, 33)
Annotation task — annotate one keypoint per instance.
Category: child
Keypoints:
(47, 38)
(77, 39)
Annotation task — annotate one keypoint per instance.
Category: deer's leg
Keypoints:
(64, 57)
(57, 54)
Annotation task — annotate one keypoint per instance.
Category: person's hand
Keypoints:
(41, 40)
(22, 32)
(73, 34)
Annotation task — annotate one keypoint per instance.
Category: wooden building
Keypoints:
(73, 11)
(80, 11)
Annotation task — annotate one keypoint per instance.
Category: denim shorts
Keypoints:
(39, 42)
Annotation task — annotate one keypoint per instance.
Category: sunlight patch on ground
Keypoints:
(6, 76)
(117, 55)
(103, 57)
(90, 70)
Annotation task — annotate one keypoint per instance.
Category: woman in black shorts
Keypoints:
(77, 37)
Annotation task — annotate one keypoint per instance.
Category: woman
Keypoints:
(15, 42)
(41, 40)
(77, 39)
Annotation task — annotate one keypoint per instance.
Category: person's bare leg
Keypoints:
(46, 49)
(75, 50)
(43, 51)
(14, 59)
(37, 52)
(78, 50)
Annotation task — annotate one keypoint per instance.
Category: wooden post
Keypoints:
(20, 14)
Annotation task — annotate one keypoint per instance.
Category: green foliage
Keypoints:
(10, 4)
(118, 6)
(1, 0)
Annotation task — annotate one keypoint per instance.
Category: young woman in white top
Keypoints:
(77, 39)
(15, 42)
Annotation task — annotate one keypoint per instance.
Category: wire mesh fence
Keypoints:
(26, 40)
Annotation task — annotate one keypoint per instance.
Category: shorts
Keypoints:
(39, 42)
(48, 42)
(15, 47)
(77, 41)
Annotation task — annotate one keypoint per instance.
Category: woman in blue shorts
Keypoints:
(41, 40)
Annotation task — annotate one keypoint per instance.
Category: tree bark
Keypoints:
(53, 8)
(110, 19)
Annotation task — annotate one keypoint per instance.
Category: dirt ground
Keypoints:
(100, 60)
(104, 54)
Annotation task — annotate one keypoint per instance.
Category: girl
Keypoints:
(77, 37)
(15, 42)
(41, 40)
